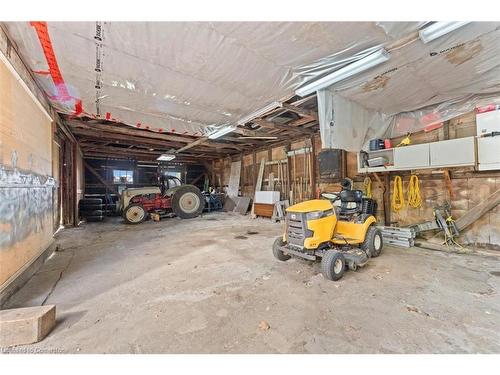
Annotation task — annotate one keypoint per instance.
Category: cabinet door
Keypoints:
(488, 153)
(411, 157)
(455, 152)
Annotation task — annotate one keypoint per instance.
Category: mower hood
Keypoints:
(312, 205)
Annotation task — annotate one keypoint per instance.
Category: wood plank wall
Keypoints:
(469, 187)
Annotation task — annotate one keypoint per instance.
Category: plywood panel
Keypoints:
(26, 196)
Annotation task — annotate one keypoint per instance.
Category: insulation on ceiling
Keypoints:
(420, 87)
(186, 77)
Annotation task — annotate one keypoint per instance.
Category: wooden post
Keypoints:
(74, 195)
(254, 170)
(313, 170)
(289, 173)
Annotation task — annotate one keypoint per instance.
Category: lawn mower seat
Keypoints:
(347, 197)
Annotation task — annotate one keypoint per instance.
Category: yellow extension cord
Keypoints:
(414, 198)
(367, 183)
(398, 200)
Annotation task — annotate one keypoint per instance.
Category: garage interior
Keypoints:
(147, 179)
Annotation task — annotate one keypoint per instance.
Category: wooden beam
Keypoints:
(301, 111)
(128, 130)
(272, 125)
(199, 141)
(478, 211)
(100, 179)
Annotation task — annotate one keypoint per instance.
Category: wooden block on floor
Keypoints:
(26, 325)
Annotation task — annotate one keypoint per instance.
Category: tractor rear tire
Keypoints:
(277, 252)
(89, 201)
(333, 265)
(85, 213)
(89, 219)
(373, 242)
(188, 202)
(134, 214)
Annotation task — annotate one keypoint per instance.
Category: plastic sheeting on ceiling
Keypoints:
(188, 77)
(421, 86)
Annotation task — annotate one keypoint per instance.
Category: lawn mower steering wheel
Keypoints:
(333, 197)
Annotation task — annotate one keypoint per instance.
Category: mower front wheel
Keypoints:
(135, 214)
(373, 241)
(277, 252)
(333, 265)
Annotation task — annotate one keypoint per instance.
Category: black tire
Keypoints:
(135, 214)
(90, 207)
(91, 213)
(333, 265)
(374, 242)
(89, 201)
(278, 254)
(188, 202)
(94, 218)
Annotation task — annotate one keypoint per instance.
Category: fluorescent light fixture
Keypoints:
(438, 29)
(345, 72)
(222, 131)
(165, 157)
(259, 112)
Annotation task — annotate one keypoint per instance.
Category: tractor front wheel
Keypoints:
(333, 265)
(188, 202)
(135, 214)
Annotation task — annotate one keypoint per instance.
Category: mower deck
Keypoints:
(355, 257)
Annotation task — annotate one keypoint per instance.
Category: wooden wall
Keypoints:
(468, 187)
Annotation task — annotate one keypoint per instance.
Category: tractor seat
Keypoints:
(350, 202)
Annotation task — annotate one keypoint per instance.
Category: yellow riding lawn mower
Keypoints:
(344, 236)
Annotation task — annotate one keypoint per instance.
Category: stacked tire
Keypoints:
(91, 209)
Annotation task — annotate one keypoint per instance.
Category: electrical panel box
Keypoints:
(488, 122)
(332, 164)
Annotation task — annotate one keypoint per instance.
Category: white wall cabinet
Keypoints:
(488, 153)
(412, 157)
(454, 152)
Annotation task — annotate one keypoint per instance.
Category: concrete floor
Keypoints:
(204, 285)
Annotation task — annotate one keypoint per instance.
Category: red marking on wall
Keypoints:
(48, 50)
(108, 116)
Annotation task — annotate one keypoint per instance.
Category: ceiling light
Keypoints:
(347, 71)
(222, 131)
(438, 29)
(165, 157)
(259, 112)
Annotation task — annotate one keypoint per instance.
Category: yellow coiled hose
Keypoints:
(367, 183)
(398, 200)
(414, 198)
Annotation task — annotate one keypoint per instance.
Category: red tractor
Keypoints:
(173, 198)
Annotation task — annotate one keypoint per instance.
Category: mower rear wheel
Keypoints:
(135, 214)
(188, 202)
(277, 252)
(373, 241)
(333, 265)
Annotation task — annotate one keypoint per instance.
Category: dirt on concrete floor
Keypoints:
(211, 285)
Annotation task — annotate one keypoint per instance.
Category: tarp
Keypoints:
(186, 77)
(420, 87)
